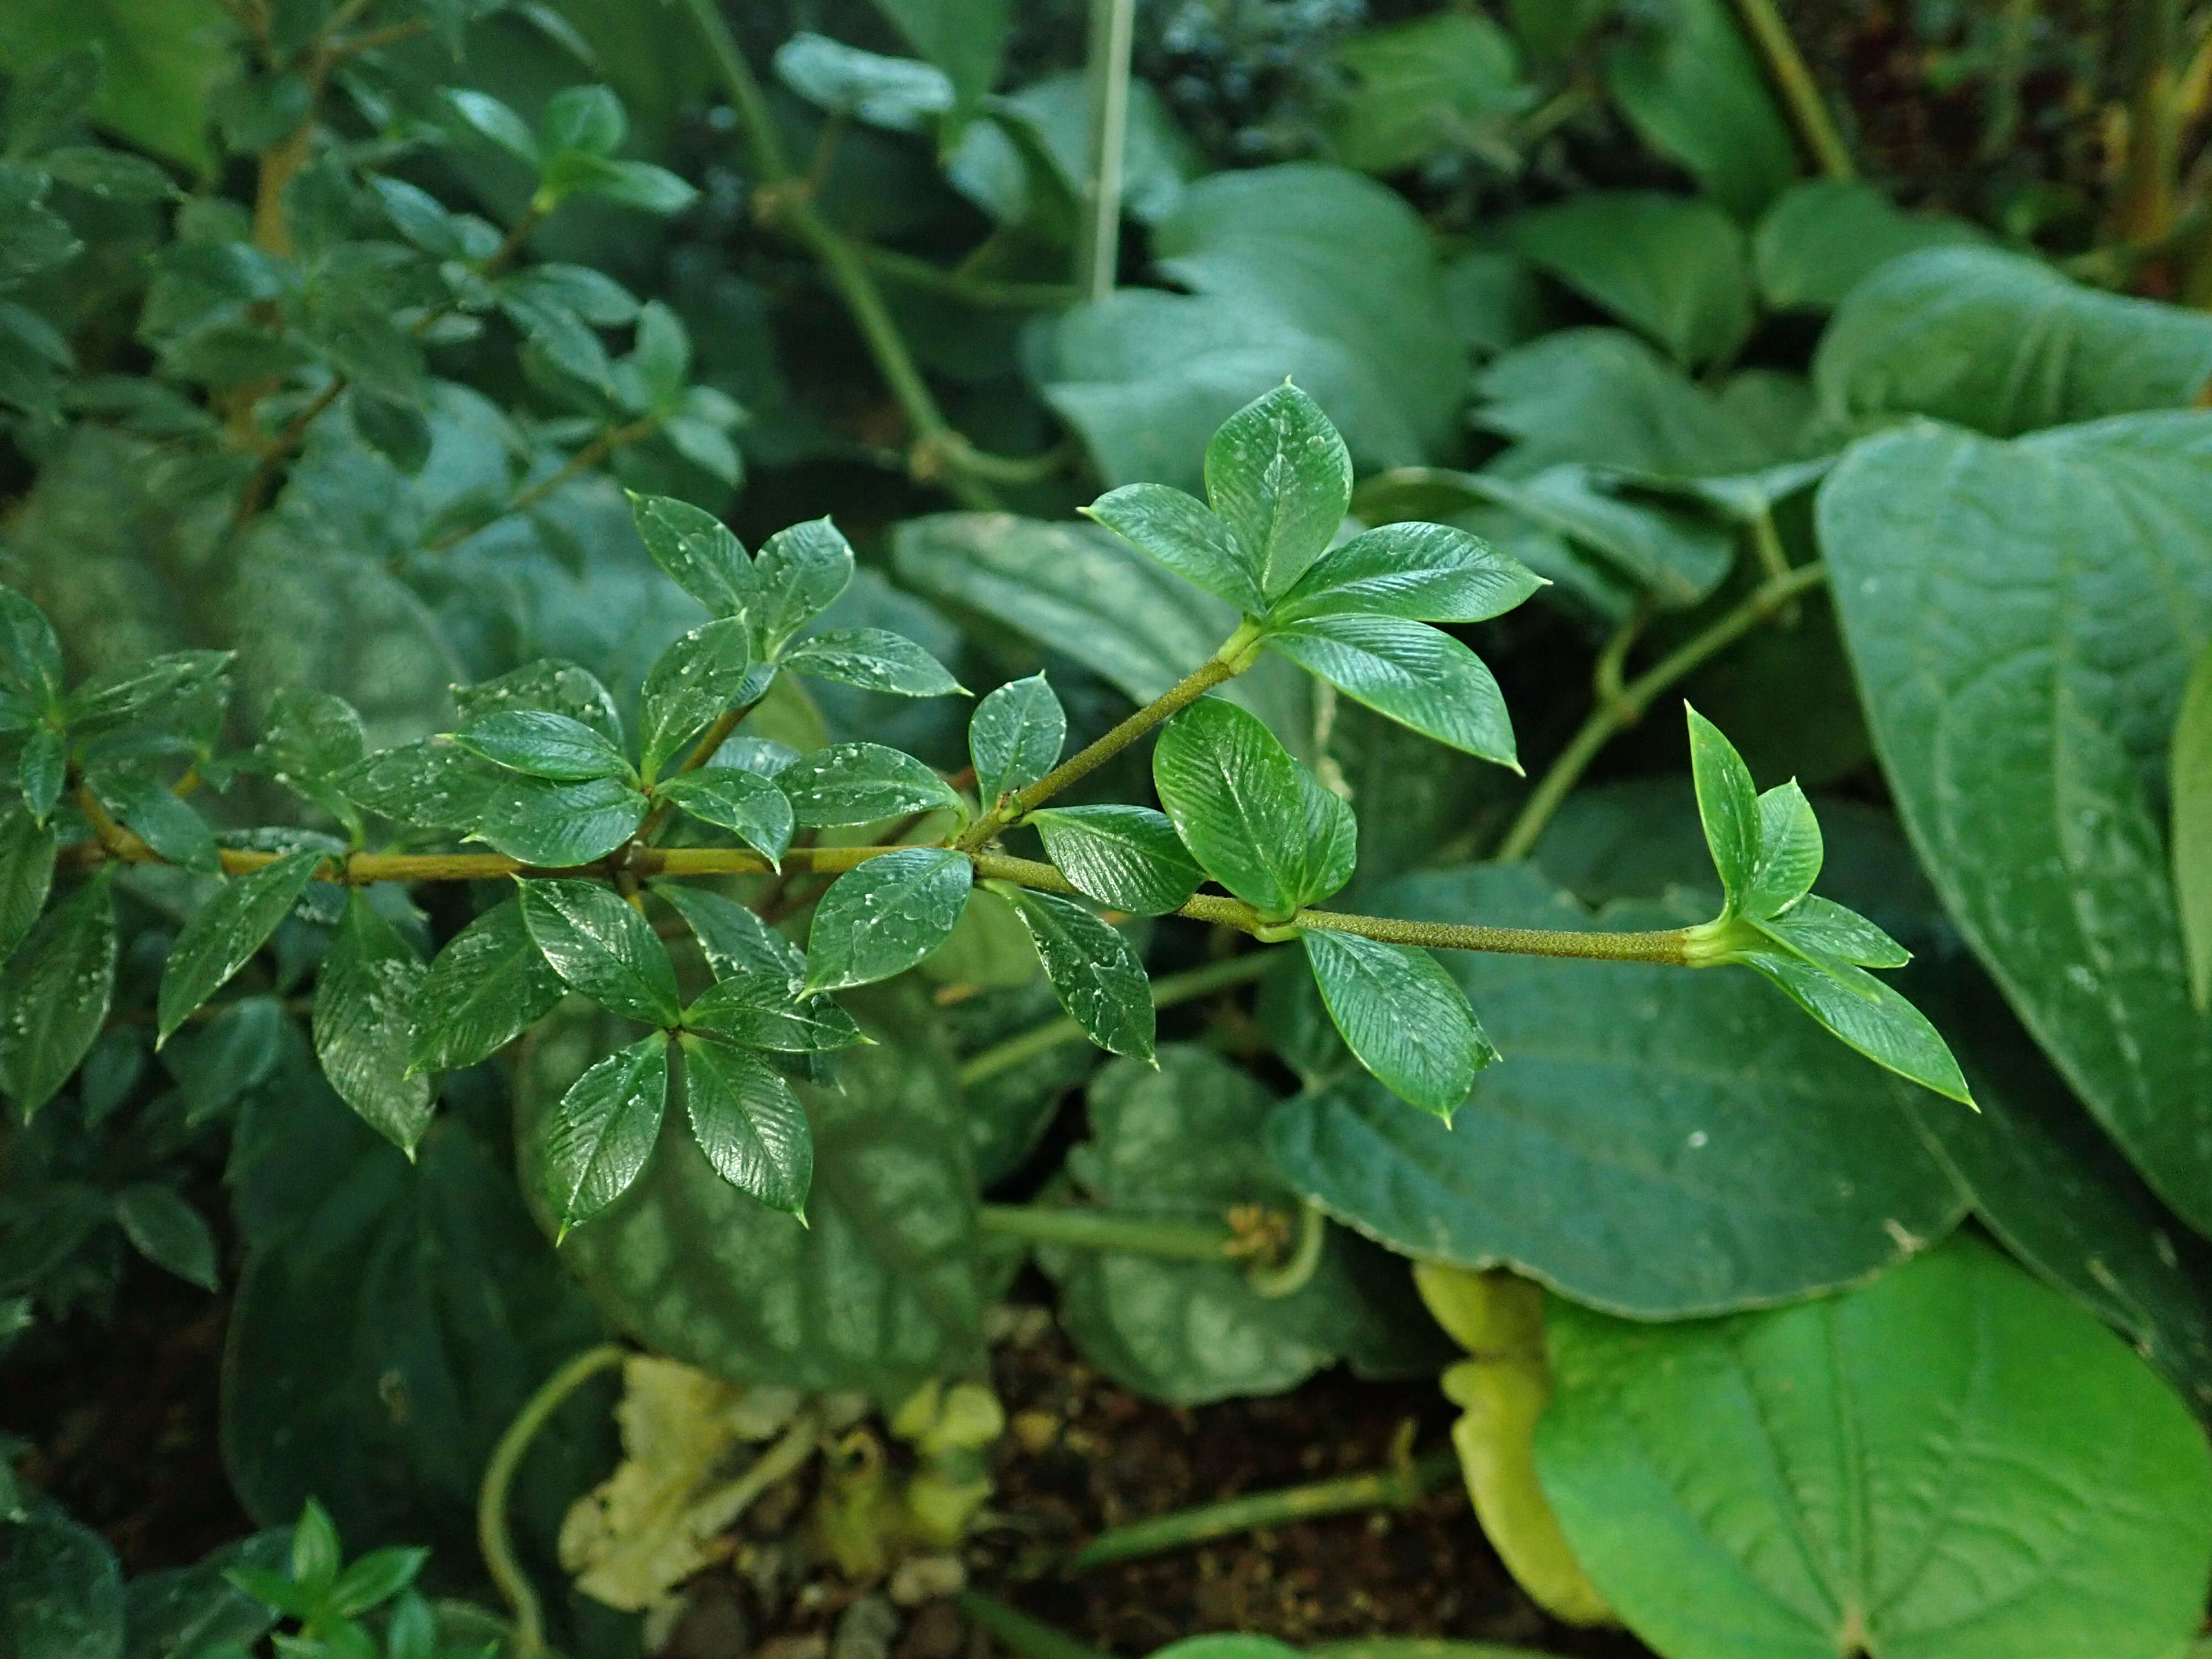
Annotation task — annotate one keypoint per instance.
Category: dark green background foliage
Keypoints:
(657, 682)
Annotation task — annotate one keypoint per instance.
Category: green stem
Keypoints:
(1112, 31)
(1167, 992)
(492, 1537)
(1018, 1633)
(1381, 1489)
(1102, 1230)
(975, 290)
(1815, 126)
(1226, 664)
(1613, 715)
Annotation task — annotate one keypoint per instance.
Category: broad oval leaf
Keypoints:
(543, 744)
(229, 928)
(692, 682)
(550, 684)
(1279, 479)
(802, 570)
(167, 1232)
(27, 872)
(757, 1008)
(885, 915)
(1869, 1016)
(1403, 1016)
(61, 1589)
(1015, 736)
(1821, 237)
(1672, 267)
(2021, 684)
(1421, 572)
(489, 985)
(2191, 775)
(1689, 83)
(861, 783)
(874, 659)
(1417, 675)
(431, 783)
(602, 947)
(1760, 1161)
(595, 1141)
(755, 810)
(366, 993)
(1129, 857)
(1235, 798)
(1097, 977)
(557, 826)
(1182, 533)
(749, 1123)
(1787, 1484)
(698, 552)
(731, 938)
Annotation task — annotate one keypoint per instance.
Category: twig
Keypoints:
(975, 290)
(1807, 109)
(581, 462)
(1167, 992)
(255, 495)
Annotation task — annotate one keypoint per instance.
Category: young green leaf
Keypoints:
(1402, 1016)
(802, 570)
(167, 1232)
(861, 783)
(155, 687)
(698, 552)
(147, 807)
(603, 948)
(555, 826)
(1420, 572)
(27, 872)
(488, 985)
(1815, 927)
(365, 994)
(741, 801)
(30, 655)
(1280, 479)
(588, 118)
(54, 993)
(733, 938)
(757, 1008)
(1332, 845)
(1235, 796)
(1417, 675)
(874, 659)
(695, 680)
(433, 783)
(497, 122)
(42, 770)
(601, 1135)
(1867, 1016)
(1728, 803)
(2192, 825)
(1096, 974)
(1181, 532)
(375, 1579)
(1789, 851)
(543, 744)
(749, 1123)
(1016, 737)
(1128, 857)
(310, 740)
(550, 684)
(882, 917)
(229, 928)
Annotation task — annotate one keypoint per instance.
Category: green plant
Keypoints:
(458, 898)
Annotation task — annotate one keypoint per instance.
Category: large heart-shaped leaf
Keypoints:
(1674, 267)
(2022, 618)
(1721, 1150)
(1954, 1462)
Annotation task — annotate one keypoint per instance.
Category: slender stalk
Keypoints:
(255, 495)
(1669, 946)
(1816, 127)
(1102, 1229)
(1392, 1488)
(975, 290)
(1613, 715)
(507, 1573)
(1018, 1633)
(2151, 36)
(1113, 34)
(1220, 667)
(582, 461)
(1167, 992)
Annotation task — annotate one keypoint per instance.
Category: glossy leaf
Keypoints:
(1280, 478)
(27, 872)
(543, 746)
(2019, 739)
(1679, 1459)
(61, 1590)
(157, 685)
(366, 993)
(885, 915)
(1235, 798)
(758, 812)
(694, 681)
(749, 1123)
(1099, 979)
(601, 946)
(1818, 926)
(229, 928)
(1420, 571)
(30, 655)
(1402, 1016)
(555, 826)
(1016, 737)
(1417, 675)
(698, 552)
(757, 1008)
(147, 807)
(488, 985)
(599, 1137)
(1675, 268)
(167, 1232)
(861, 783)
(874, 659)
(1869, 1016)
(2191, 835)
(1129, 857)
(733, 938)
(42, 770)
(1789, 851)
(1727, 804)
(1184, 534)
(54, 994)
(802, 570)
(432, 782)
(550, 684)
